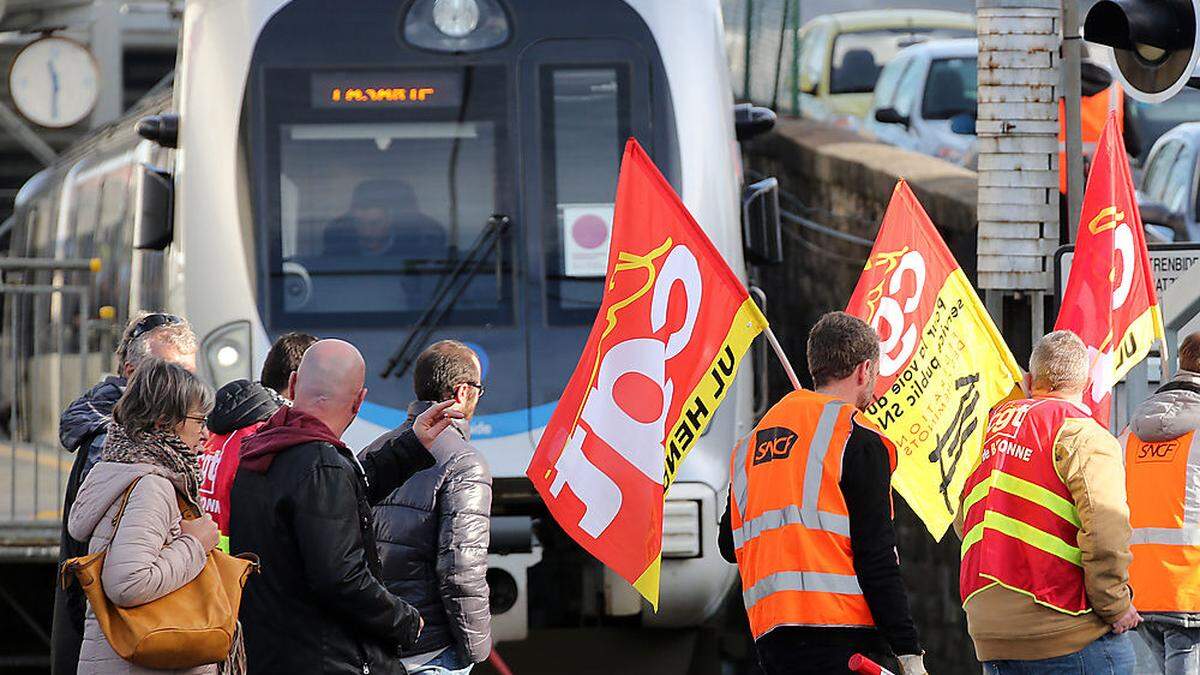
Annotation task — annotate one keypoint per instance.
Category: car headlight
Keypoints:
(681, 529)
(456, 25)
(227, 353)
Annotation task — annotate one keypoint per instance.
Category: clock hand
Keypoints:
(53, 89)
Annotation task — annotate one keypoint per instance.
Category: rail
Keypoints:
(50, 351)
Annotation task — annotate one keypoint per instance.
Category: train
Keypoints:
(392, 172)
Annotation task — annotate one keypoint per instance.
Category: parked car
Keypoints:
(841, 55)
(925, 100)
(1167, 197)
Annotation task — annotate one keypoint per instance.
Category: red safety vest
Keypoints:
(791, 526)
(1020, 524)
(218, 465)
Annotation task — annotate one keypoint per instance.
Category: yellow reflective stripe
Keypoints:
(1024, 532)
(1024, 489)
(223, 543)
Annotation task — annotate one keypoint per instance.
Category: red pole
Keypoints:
(864, 666)
(498, 663)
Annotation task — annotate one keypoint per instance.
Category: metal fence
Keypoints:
(51, 349)
(761, 37)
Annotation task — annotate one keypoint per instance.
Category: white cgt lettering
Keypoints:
(640, 443)
(901, 333)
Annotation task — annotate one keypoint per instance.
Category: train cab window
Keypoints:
(586, 113)
(379, 201)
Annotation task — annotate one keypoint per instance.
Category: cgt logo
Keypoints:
(774, 443)
(1157, 452)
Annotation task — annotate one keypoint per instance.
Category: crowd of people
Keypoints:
(376, 562)
(368, 563)
(1070, 538)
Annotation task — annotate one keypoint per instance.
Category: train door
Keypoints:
(586, 98)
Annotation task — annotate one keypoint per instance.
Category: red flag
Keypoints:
(1110, 300)
(671, 331)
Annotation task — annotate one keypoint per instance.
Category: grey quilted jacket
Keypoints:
(433, 535)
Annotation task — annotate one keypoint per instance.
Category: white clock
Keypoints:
(54, 82)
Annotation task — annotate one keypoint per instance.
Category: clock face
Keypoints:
(54, 82)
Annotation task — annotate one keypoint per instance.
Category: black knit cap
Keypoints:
(240, 404)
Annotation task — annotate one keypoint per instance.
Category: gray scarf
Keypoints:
(163, 449)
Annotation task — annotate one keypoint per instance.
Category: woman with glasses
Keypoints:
(155, 438)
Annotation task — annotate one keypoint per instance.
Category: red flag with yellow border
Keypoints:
(671, 331)
(1110, 300)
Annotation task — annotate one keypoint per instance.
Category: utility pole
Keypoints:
(1017, 127)
(1072, 57)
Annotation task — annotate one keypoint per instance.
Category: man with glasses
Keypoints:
(433, 531)
(82, 429)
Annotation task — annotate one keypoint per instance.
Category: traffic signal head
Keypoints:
(1153, 43)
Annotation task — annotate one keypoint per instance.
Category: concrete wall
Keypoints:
(836, 171)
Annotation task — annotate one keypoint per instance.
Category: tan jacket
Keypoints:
(1006, 624)
(149, 558)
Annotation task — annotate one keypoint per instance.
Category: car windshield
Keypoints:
(859, 57)
(951, 89)
(1152, 120)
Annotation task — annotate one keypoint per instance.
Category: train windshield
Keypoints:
(386, 182)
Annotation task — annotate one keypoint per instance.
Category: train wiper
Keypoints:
(447, 294)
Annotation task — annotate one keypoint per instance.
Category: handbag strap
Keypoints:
(116, 519)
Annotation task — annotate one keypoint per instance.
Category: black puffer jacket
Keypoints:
(433, 537)
(81, 430)
(319, 605)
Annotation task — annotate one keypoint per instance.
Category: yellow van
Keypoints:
(842, 54)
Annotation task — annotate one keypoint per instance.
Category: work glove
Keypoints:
(913, 664)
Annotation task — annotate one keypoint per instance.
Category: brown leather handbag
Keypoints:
(191, 626)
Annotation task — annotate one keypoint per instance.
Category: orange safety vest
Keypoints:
(1162, 481)
(1093, 113)
(1020, 525)
(791, 527)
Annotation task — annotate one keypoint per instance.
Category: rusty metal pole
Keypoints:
(1072, 48)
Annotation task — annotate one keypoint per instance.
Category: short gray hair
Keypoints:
(160, 395)
(1059, 362)
(133, 351)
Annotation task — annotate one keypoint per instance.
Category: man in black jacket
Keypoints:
(433, 531)
(303, 505)
(82, 429)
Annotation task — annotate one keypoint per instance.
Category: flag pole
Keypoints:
(783, 359)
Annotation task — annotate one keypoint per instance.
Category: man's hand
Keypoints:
(431, 423)
(913, 664)
(1128, 621)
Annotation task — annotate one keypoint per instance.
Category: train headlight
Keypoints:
(455, 18)
(226, 353)
(681, 529)
(456, 25)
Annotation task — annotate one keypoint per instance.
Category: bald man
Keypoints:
(302, 503)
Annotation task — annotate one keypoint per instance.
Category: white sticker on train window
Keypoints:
(586, 231)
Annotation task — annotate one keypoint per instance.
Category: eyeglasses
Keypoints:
(478, 386)
(202, 419)
(152, 321)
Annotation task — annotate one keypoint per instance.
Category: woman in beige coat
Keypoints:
(156, 435)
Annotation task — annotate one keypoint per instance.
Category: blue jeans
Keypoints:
(446, 663)
(1176, 649)
(1109, 655)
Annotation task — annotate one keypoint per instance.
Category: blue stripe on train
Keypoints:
(494, 425)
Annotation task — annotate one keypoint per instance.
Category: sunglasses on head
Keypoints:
(152, 321)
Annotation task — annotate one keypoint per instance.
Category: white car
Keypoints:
(925, 100)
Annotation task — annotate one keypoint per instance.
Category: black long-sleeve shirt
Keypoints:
(866, 486)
